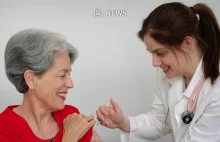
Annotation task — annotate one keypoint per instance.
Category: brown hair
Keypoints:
(170, 23)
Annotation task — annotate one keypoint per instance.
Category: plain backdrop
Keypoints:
(112, 63)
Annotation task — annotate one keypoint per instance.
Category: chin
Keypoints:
(60, 106)
(170, 76)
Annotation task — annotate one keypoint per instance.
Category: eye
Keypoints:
(62, 76)
(160, 53)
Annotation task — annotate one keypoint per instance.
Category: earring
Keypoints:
(31, 89)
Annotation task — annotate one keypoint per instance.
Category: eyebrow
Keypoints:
(156, 50)
(64, 70)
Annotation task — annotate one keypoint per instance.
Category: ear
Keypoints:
(187, 44)
(29, 78)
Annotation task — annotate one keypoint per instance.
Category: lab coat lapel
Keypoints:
(174, 93)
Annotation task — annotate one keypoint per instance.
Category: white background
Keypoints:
(112, 63)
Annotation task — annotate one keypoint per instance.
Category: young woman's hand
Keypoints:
(112, 116)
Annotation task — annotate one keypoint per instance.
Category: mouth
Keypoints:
(62, 95)
(166, 69)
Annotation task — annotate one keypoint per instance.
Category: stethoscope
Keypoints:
(188, 115)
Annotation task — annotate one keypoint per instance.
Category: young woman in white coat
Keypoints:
(185, 46)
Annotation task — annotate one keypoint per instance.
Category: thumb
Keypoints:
(114, 105)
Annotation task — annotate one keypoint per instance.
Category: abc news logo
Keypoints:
(109, 13)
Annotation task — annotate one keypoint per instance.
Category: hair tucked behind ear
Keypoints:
(170, 23)
(209, 39)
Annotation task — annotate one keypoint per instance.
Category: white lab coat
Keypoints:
(205, 126)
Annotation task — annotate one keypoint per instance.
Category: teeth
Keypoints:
(166, 68)
(61, 94)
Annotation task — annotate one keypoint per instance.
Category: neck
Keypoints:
(192, 66)
(34, 112)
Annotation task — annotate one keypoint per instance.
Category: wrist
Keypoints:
(66, 139)
(125, 125)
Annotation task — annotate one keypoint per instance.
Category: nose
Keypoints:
(156, 60)
(69, 82)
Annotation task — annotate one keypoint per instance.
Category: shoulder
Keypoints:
(70, 109)
(3, 117)
(7, 115)
(7, 120)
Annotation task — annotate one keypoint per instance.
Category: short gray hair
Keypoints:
(33, 49)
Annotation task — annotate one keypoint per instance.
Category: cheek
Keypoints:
(51, 88)
(173, 60)
(47, 93)
(46, 88)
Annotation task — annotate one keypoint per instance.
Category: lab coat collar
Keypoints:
(180, 80)
(196, 77)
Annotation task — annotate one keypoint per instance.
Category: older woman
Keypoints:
(38, 63)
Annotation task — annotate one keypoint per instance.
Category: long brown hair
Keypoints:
(170, 23)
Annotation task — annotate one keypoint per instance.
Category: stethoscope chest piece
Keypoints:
(187, 117)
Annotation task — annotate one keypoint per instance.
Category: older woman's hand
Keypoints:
(75, 126)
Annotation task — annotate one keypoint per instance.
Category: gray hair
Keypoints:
(33, 49)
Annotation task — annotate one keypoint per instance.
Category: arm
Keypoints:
(207, 127)
(95, 137)
(150, 126)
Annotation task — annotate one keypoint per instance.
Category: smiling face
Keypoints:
(51, 87)
(171, 62)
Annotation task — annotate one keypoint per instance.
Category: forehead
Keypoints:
(152, 45)
(61, 61)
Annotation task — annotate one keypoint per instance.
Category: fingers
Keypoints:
(103, 109)
(76, 125)
(86, 119)
(100, 116)
(91, 123)
(116, 107)
(104, 124)
(89, 118)
(114, 104)
(111, 112)
(80, 118)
